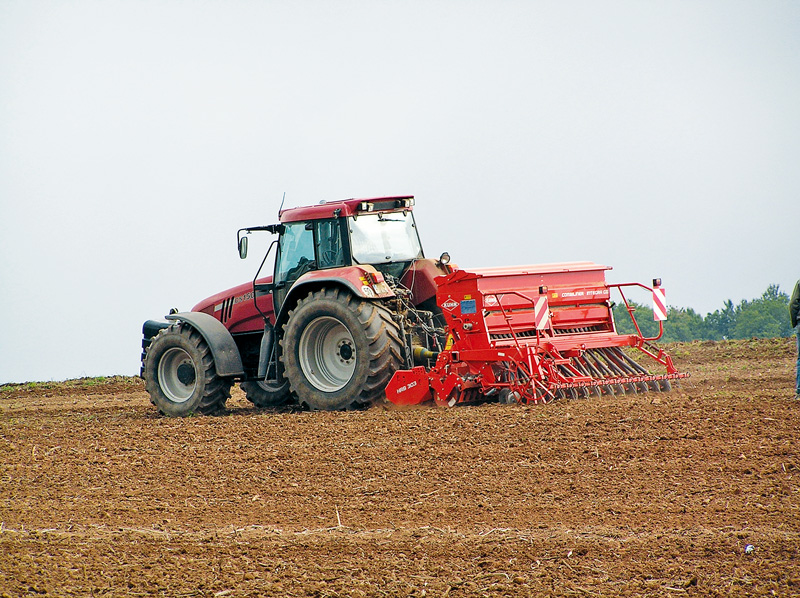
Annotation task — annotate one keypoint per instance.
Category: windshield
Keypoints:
(380, 238)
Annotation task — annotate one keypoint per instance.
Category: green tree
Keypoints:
(766, 317)
(719, 325)
(684, 324)
(643, 315)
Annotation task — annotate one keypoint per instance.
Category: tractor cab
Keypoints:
(376, 232)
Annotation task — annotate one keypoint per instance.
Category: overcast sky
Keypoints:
(661, 138)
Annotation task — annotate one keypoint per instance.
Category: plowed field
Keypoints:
(640, 495)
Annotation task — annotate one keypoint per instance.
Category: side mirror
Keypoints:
(243, 247)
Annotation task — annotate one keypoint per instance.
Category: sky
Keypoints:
(137, 137)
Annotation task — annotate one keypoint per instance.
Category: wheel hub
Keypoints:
(177, 375)
(327, 354)
(186, 373)
(345, 351)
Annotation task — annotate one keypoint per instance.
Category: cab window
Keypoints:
(296, 252)
(329, 244)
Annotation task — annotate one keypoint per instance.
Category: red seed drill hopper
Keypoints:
(532, 334)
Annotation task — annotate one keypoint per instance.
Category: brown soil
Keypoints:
(651, 494)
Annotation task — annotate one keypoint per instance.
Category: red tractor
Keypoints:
(354, 312)
(350, 298)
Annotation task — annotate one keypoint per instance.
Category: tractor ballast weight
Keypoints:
(533, 334)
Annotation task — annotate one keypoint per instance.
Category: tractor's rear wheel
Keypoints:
(339, 351)
(180, 375)
(267, 394)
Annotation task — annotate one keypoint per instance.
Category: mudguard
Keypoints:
(227, 360)
(364, 281)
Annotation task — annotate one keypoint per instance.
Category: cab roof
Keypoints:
(347, 207)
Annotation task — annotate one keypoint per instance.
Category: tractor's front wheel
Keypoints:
(339, 351)
(180, 375)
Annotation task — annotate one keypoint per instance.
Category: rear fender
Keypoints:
(227, 360)
(364, 282)
(421, 279)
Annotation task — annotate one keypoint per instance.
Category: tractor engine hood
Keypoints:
(235, 309)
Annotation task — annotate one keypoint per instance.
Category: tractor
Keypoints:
(350, 299)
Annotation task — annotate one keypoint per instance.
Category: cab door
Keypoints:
(295, 258)
(306, 246)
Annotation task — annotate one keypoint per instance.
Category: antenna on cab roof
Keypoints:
(280, 208)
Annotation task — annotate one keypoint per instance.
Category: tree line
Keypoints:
(765, 317)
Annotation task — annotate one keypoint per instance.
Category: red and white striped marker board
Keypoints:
(659, 304)
(541, 312)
